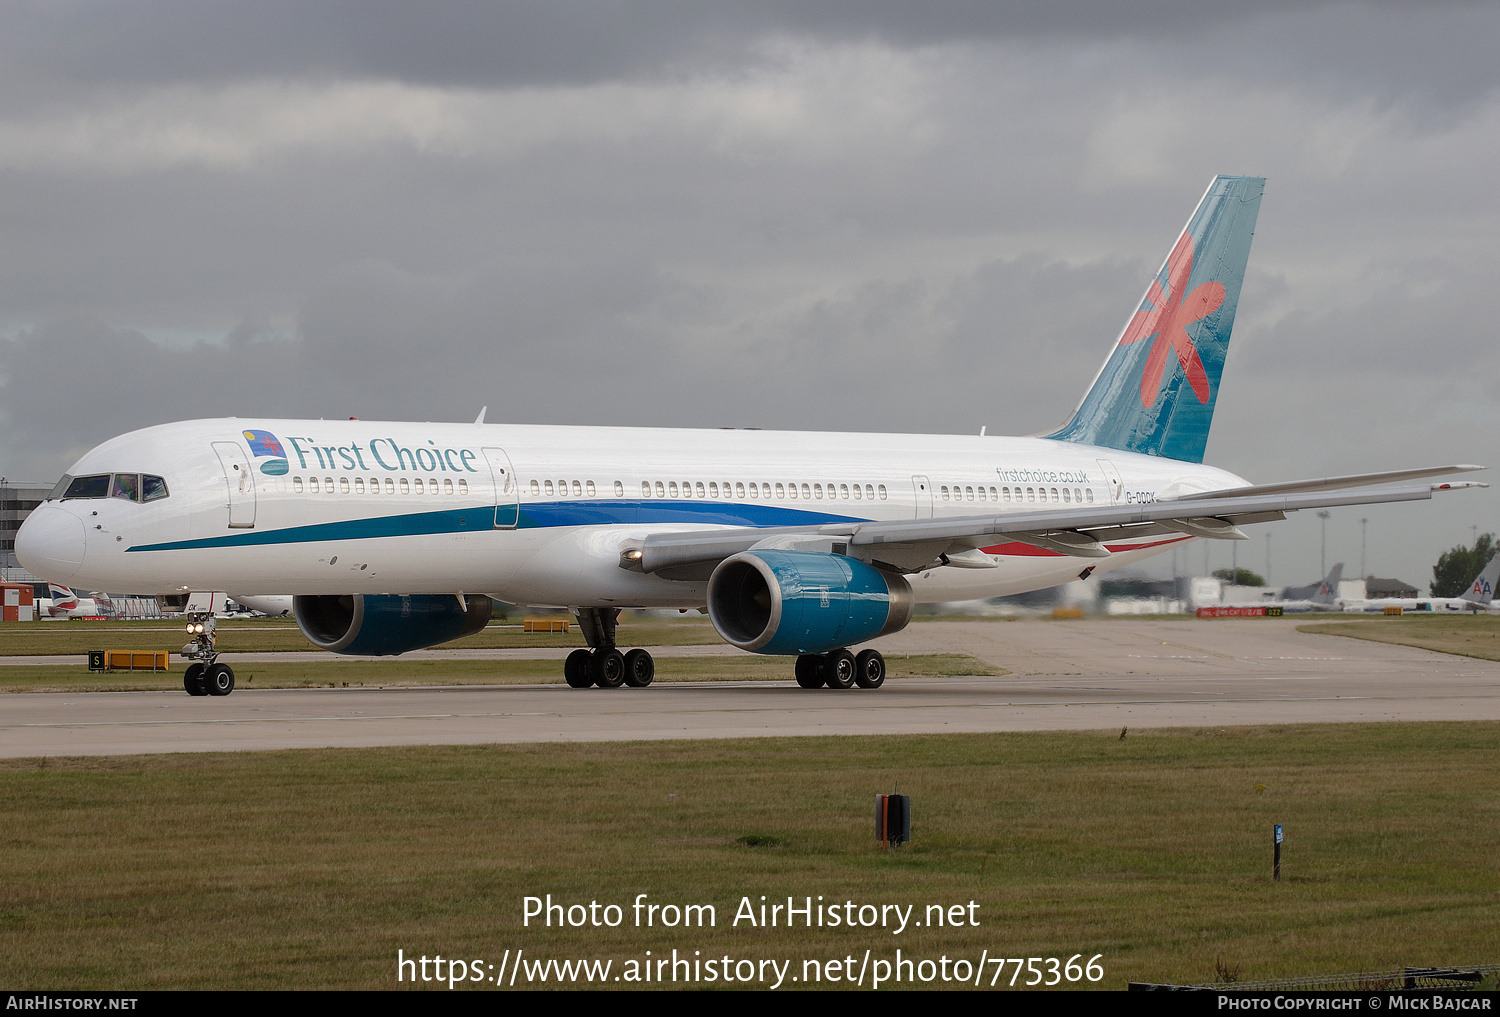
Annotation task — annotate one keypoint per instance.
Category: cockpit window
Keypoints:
(130, 486)
(127, 486)
(88, 487)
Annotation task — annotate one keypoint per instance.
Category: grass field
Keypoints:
(312, 868)
(396, 672)
(1468, 635)
(267, 635)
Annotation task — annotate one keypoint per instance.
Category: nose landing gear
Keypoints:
(205, 676)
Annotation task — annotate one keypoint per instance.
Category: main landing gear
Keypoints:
(602, 664)
(205, 676)
(840, 669)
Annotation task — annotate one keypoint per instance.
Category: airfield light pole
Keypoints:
(1268, 557)
(1323, 547)
(1363, 526)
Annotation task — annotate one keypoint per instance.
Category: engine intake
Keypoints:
(380, 626)
(788, 602)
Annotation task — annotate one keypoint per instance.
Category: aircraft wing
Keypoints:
(910, 545)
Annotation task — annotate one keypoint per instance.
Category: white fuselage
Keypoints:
(373, 507)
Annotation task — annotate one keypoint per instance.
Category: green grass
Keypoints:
(266, 635)
(312, 868)
(392, 673)
(1466, 635)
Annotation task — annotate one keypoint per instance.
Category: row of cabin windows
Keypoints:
(713, 489)
(392, 486)
(982, 493)
(580, 488)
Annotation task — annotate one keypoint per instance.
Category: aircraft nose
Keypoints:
(50, 543)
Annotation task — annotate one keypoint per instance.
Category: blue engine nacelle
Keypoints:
(804, 601)
(386, 625)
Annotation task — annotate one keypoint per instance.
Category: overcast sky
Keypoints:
(866, 216)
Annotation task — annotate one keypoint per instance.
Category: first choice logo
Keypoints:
(387, 454)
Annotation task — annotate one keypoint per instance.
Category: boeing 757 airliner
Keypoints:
(395, 536)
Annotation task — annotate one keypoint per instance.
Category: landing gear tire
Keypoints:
(219, 678)
(809, 671)
(869, 669)
(192, 680)
(640, 669)
(838, 669)
(607, 668)
(576, 670)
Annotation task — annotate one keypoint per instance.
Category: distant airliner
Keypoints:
(394, 536)
(62, 602)
(1479, 597)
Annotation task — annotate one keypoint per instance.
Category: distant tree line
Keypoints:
(1457, 567)
(1239, 577)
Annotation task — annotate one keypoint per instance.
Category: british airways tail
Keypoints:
(1156, 392)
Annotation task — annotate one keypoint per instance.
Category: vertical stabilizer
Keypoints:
(1156, 392)
(1482, 589)
(1328, 591)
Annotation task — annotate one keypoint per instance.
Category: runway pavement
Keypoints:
(1067, 675)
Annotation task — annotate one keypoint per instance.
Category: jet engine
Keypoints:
(787, 602)
(379, 626)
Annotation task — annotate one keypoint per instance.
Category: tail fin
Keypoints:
(62, 597)
(1482, 591)
(1328, 590)
(1156, 392)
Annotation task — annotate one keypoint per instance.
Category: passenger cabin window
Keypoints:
(359, 485)
(296, 485)
(619, 489)
(405, 486)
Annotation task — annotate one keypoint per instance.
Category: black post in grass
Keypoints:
(1276, 854)
(893, 819)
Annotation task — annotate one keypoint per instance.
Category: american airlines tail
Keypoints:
(1156, 392)
(1482, 590)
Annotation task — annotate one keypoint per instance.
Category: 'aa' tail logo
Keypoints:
(1167, 319)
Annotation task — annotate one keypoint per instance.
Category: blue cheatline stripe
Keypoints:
(540, 515)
